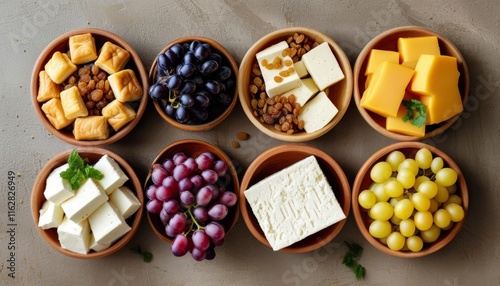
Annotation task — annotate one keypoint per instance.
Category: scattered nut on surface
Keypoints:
(242, 136)
(235, 144)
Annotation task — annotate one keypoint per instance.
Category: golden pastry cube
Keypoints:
(55, 113)
(125, 85)
(112, 58)
(118, 114)
(47, 89)
(82, 49)
(59, 67)
(91, 128)
(73, 104)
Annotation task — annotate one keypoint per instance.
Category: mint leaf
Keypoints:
(146, 256)
(78, 171)
(415, 112)
(359, 272)
(354, 252)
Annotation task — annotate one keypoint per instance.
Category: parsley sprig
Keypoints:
(351, 258)
(146, 256)
(78, 170)
(415, 112)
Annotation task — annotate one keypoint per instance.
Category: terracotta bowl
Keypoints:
(340, 93)
(192, 148)
(388, 41)
(227, 59)
(363, 181)
(61, 44)
(92, 155)
(278, 158)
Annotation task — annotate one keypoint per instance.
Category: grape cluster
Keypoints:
(411, 200)
(190, 197)
(194, 83)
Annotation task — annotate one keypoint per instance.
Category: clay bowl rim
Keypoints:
(344, 87)
(223, 116)
(134, 63)
(177, 146)
(359, 79)
(37, 200)
(361, 182)
(342, 187)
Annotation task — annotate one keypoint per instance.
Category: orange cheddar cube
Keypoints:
(386, 89)
(379, 56)
(436, 81)
(410, 49)
(396, 124)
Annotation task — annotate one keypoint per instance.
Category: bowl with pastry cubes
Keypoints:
(193, 83)
(410, 83)
(89, 87)
(87, 202)
(295, 84)
(294, 199)
(409, 199)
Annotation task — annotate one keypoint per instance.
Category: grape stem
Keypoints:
(193, 221)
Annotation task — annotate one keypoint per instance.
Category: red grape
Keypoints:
(204, 196)
(154, 206)
(180, 245)
(217, 212)
(180, 172)
(158, 174)
(210, 176)
(204, 162)
(200, 240)
(227, 198)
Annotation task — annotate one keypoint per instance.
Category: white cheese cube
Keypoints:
(294, 203)
(317, 113)
(107, 224)
(304, 92)
(57, 189)
(125, 201)
(74, 236)
(86, 200)
(285, 83)
(96, 246)
(301, 69)
(114, 177)
(323, 66)
(51, 215)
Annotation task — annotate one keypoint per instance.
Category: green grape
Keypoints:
(419, 180)
(407, 227)
(394, 201)
(406, 177)
(434, 205)
(430, 235)
(423, 220)
(442, 218)
(381, 211)
(403, 209)
(452, 189)
(380, 229)
(396, 241)
(409, 163)
(446, 177)
(395, 158)
(379, 191)
(453, 199)
(442, 194)
(428, 188)
(380, 172)
(421, 202)
(456, 212)
(414, 243)
(395, 220)
(394, 189)
(437, 164)
(367, 199)
(383, 240)
(423, 157)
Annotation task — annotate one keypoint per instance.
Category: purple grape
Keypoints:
(180, 245)
(186, 70)
(164, 62)
(210, 253)
(172, 56)
(201, 215)
(210, 176)
(170, 110)
(201, 100)
(182, 114)
(190, 58)
(223, 73)
(218, 242)
(188, 87)
(171, 206)
(197, 181)
(204, 196)
(213, 86)
(178, 222)
(164, 217)
(191, 164)
(200, 240)
(151, 192)
(180, 172)
(208, 67)
(198, 254)
(216, 57)
(158, 91)
(220, 167)
(154, 206)
(223, 98)
(185, 185)
(193, 45)
(218, 212)
(169, 231)
(177, 49)
(186, 100)
(202, 51)
(204, 162)
(174, 82)
(169, 165)
(215, 191)
(186, 198)
(215, 231)
(199, 115)
(179, 158)
(163, 193)
(158, 173)
(227, 198)
(172, 184)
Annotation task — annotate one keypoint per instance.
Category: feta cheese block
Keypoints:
(300, 68)
(294, 203)
(277, 70)
(304, 92)
(323, 66)
(317, 113)
(51, 215)
(86, 200)
(96, 246)
(57, 190)
(107, 224)
(125, 201)
(114, 177)
(74, 236)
